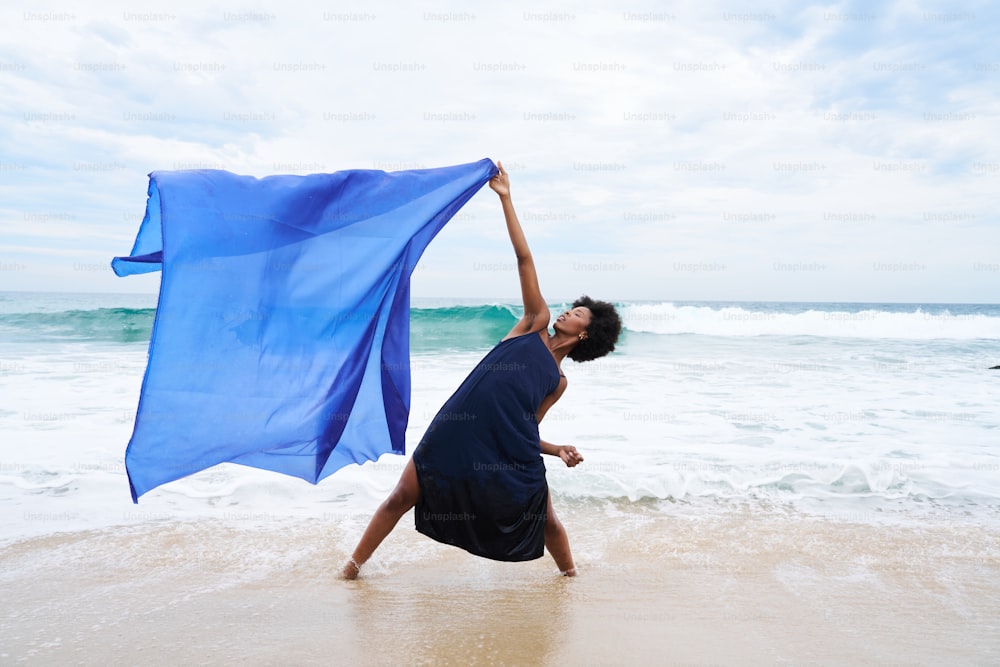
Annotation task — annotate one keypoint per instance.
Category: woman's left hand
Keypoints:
(569, 455)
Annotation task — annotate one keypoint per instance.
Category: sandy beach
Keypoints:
(746, 585)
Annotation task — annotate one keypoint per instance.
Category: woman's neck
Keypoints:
(560, 345)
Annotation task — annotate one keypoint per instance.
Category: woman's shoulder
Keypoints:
(542, 335)
(530, 324)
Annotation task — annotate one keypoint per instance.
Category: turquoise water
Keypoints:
(92, 317)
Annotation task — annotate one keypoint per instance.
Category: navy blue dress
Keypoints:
(482, 480)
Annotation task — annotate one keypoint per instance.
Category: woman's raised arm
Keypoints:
(536, 312)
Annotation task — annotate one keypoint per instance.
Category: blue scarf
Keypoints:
(281, 338)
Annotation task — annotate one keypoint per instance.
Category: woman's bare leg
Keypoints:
(557, 542)
(399, 502)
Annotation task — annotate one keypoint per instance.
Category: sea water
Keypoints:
(856, 411)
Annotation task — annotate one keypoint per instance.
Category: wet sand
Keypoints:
(767, 586)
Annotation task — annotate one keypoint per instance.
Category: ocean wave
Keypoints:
(52, 499)
(460, 327)
(830, 482)
(454, 327)
(479, 327)
(965, 322)
(117, 325)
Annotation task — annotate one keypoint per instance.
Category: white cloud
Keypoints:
(688, 134)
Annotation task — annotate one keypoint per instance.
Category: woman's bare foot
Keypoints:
(571, 572)
(350, 571)
(400, 501)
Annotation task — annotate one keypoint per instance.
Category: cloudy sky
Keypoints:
(842, 151)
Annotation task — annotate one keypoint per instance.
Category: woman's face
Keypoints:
(574, 321)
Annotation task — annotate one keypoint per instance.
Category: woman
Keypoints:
(477, 477)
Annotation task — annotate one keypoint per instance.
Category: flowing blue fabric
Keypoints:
(281, 338)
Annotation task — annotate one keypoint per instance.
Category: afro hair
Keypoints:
(602, 334)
